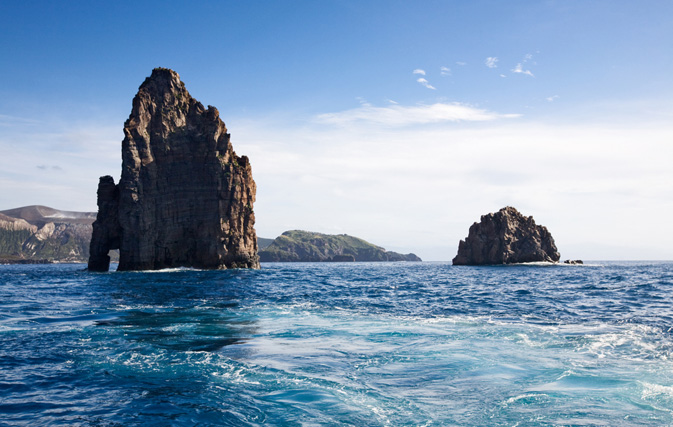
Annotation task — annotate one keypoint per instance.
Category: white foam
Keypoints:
(523, 396)
(657, 391)
(168, 270)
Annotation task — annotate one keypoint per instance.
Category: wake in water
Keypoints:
(339, 344)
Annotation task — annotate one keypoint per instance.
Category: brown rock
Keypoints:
(506, 237)
(185, 199)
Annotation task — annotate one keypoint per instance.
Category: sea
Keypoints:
(338, 344)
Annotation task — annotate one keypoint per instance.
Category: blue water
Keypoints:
(402, 344)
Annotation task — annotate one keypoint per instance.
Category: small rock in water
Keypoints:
(506, 237)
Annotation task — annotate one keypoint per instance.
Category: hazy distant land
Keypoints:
(40, 234)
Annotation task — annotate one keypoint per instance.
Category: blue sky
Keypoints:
(396, 121)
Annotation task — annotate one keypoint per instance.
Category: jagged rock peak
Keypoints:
(163, 78)
(185, 199)
(162, 87)
(506, 237)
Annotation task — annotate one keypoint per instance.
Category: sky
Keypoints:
(399, 122)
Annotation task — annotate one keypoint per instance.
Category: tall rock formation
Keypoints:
(506, 237)
(185, 199)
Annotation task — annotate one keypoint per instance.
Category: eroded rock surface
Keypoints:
(185, 199)
(506, 237)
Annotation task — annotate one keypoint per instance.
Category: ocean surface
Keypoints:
(352, 344)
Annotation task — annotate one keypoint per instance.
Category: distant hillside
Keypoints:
(305, 246)
(40, 233)
(37, 215)
(43, 234)
(263, 243)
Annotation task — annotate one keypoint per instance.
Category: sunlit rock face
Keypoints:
(185, 199)
(506, 237)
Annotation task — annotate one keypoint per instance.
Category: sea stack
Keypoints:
(506, 237)
(185, 199)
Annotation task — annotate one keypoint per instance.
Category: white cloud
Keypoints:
(552, 98)
(461, 63)
(399, 115)
(445, 71)
(419, 71)
(430, 183)
(425, 83)
(491, 62)
(425, 171)
(519, 70)
(57, 164)
(363, 101)
(47, 167)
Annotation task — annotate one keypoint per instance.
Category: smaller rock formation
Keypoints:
(106, 233)
(506, 237)
(573, 261)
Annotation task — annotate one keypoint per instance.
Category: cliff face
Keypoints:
(42, 233)
(185, 199)
(506, 237)
(305, 246)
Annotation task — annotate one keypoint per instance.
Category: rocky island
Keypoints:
(185, 199)
(506, 237)
(306, 246)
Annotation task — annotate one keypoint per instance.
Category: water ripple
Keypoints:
(338, 344)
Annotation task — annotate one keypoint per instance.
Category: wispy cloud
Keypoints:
(363, 101)
(426, 83)
(46, 167)
(519, 70)
(445, 71)
(491, 62)
(6, 121)
(52, 163)
(552, 98)
(399, 115)
(419, 71)
(461, 63)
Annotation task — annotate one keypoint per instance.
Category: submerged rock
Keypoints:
(506, 237)
(185, 199)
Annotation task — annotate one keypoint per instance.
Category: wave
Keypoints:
(167, 270)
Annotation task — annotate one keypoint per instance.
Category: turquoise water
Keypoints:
(371, 344)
